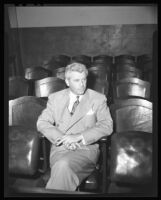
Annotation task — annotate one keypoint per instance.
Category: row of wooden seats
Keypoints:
(38, 72)
(129, 81)
(123, 88)
(100, 75)
(18, 86)
(143, 63)
(66, 59)
(128, 87)
(131, 143)
(102, 65)
(131, 136)
(55, 65)
(103, 71)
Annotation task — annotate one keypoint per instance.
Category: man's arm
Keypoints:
(45, 123)
(103, 126)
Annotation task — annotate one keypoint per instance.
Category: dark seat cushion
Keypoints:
(23, 150)
(131, 157)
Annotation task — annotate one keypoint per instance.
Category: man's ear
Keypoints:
(67, 82)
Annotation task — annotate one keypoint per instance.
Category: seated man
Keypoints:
(73, 121)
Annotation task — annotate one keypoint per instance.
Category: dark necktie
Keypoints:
(75, 105)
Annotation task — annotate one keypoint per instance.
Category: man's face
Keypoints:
(77, 82)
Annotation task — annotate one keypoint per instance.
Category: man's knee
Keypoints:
(62, 165)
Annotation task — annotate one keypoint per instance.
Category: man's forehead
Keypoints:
(78, 74)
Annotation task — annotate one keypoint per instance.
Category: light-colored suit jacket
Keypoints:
(92, 117)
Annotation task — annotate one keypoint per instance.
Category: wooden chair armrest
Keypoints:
(45, 145)
(104, 143)
(41, 135)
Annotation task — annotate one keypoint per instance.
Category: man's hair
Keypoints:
(76, 67)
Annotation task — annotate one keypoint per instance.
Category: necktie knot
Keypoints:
(77, 98)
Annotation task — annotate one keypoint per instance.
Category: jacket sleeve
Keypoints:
(103, 126)
(46, 121)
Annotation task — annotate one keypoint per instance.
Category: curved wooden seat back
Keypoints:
(98, 79)
(129, 59)
(126, 67)
(84, 59)
(126, 71)
(59, 73)
(101, 86)
(102, 59)
(98, 72)
(46, 86)
(57, 61)
(131, 87)
(18, 87)
(128, 74)
(24, 111)
(132, 115)
(37, 73)
(145, 62)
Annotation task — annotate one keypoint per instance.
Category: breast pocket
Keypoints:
(90, 120)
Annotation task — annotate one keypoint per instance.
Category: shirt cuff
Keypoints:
(83, 140)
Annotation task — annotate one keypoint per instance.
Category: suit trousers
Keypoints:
(70, 168)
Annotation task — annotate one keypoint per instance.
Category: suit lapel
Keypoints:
(81, 110)
(64, 103)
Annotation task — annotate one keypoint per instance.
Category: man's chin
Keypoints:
(81, 92)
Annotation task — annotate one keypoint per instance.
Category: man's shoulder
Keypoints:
(58, 94)
(96, 95)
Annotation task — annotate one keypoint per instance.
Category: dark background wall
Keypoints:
(39, 44)
(35, 34)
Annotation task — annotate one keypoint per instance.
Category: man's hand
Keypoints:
(71, 142)
(72, 146)
(69, 139)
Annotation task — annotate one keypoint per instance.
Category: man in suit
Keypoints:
(73, 121)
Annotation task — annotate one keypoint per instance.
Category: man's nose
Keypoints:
(81, 83)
